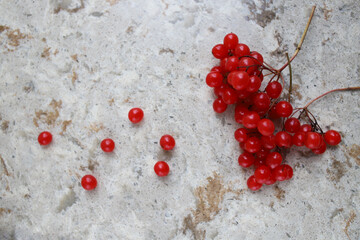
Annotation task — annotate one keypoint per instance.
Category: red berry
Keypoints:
(312, 140)
(243, 94)
(246, 159)
(292, 125)
(298, 139)
(88, 182)
(253, 184)
(272, 113)
(305, 128)
(242, 50)
(161, 168)
(240, 111)
(262, 154)
(271, 180)
(283, 139)
(231, 40)
(217, 69)
(251, 119)
(247, 64)
(167, 142)
(332, 137)
(268, 142)
(218, 91)
(254, 84)
(252, 145)
(273, 89)
(241, 135)
(280, 173)
(135, 115)
(214, 79)
(262, 101)
(273, 160)
(45, 138)
(288, 170)
(262, 174)
(240, 80)
(219, 105)
(266, 127)
(229, 96)
(321, 149)
(259, 162)
(284, 109)
(107, 145)
(231, 63)
(219, 51)
(258, 57)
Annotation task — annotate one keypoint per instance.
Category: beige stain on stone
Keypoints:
(208, 199)
(96, 127)
(4, 125)
(74, 57)
(6, 172)
(46, 53)
(337, 171)
(354, 152)
(49, 116)
(13, 37)
(74, 77)
(112, 2)
(4, 211)
(348, 223)
(279, 193)
(64, 126)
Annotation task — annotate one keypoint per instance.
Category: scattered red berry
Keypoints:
(312, 140)
(266, 127)
(88, 182)
(299, 139)
(219, 105)
(251, 119)
(45, 138)
(284, 109)
(283, 139)
(332, 137)
(241, 135)
(274, 89)
(230, 41)
(253, 184)
(136, 115)
(262, 174)
(167, 142)
(246, 159)
(214, 79)
(219, 51)
(242, 50)
(292, 125)
(107, 145)
(161, 169)
(273, 160)
(252, 145)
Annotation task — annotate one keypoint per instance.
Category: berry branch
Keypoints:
(290, 72)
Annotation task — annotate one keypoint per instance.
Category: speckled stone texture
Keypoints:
(76, 67)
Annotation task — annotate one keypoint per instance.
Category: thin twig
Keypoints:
(290, 71)
(301, 40)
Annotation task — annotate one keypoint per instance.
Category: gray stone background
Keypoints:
(76, 67)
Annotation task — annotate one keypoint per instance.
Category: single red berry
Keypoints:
(243, 94)
(135, 115)
(283, 139)
(222, 64)
(262, 101)
(273, 89)
(229, 96)
(251, 119)
(253, 184)
(312, 140)
(161, 168)
(88, 182)
(242, 50)
(45, 138)
(305, 128)
(231, 40)
(284, 109)
(266, 127)
(321, 149)
(259, 162)
(289, 171)
(220, 51)
(292, 125)
(107, 145)
(241, 134)
(246, 159)
(240, 80)
(262, 174)
(298, 139)
(332, 137)
(167, 142)
(280, 173)
(219, 105)
(258, 57)
(218, 91)
(268, 142)
(262, 154)
(252, 145)
(231, 63)
(273, 159)
(240, 111)
(247, 64)
(272, 113)
(217, 69)
(214, 79)
(254, 84)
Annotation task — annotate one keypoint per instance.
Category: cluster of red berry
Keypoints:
(89, 182)
(237, 80)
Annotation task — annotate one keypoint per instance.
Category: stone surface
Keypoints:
(76, 67)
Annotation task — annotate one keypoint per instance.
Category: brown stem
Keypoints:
(301, 40)
(290, 72)
(335, 90)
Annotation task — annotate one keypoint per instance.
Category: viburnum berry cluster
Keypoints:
(270, 125)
